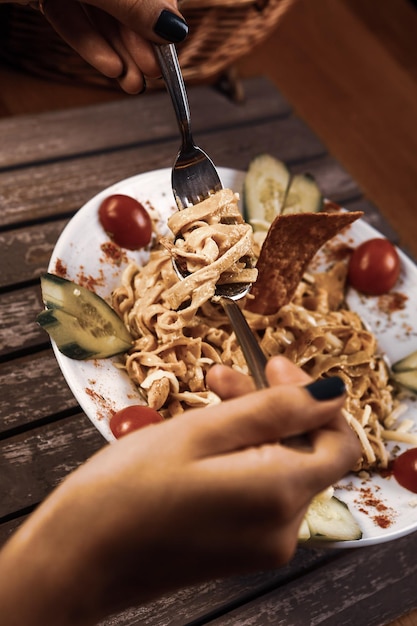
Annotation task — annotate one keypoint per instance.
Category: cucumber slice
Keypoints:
(407, 379)
(407, 363)
(331, 520)
(265, 188)
(81, 323)
(269, 190)
(304, 531)
(304, 195)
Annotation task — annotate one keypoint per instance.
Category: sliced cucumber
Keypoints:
(407, 363)
(304, 195)
(304, 533)
(269, 190)
(265, 188)
(329, 519)
(407, 379)
(81, 323)
(404, 371)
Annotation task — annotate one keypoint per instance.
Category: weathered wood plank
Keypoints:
(33, 138)
(18, 328)
(33, 463)
(47, 190)
(195, 605)
(25, 253)
(60, 188)
(366, 587)
(33, 388)
(289, 140)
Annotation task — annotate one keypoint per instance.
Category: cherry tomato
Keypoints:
(132, 418)
(405, 469)
(126, 221)
(374, 267)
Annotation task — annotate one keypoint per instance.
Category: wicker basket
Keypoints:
(220, 32)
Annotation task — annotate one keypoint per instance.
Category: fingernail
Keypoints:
(171, 27)
(327, 388)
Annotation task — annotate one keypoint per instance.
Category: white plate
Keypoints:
(101, 388)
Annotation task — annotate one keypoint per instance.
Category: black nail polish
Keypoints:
(327, 388)
(171, 27)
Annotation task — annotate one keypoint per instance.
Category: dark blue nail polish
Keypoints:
(327, 388)
(171, 27)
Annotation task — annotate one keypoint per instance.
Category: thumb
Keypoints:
(228, 383)
(262, 417)
(281, 371)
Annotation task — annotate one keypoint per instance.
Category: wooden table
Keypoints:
(50, 164)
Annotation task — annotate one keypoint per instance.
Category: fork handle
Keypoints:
(171, 72)
(251, 349)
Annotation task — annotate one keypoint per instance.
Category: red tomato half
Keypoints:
(405, 469)
(126, 221)
(132, 418)
(374, 267)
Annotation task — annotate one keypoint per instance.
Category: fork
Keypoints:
(193, 178)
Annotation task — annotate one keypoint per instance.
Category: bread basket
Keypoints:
(220, 32)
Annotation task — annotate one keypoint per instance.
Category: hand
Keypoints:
(207, 494)
(115, 36)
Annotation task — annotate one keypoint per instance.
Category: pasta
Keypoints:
(179, 330)
(211, 243)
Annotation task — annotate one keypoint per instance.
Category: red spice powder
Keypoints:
(392, 302)
(113, 253)
(88, 281)
(60, 269)
(383, 521)
(104, 410)
(375, 508)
